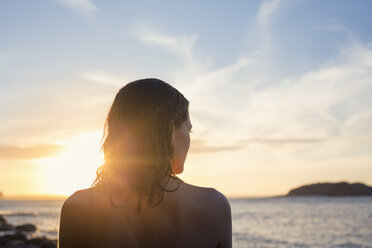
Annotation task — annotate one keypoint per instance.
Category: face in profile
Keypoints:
(181, 144)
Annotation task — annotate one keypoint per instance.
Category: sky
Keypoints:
(280, 91)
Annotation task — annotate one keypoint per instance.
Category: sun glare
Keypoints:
(74, 168)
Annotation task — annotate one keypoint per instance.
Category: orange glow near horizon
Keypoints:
(74, 168)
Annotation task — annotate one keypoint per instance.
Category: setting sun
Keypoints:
(74, 167)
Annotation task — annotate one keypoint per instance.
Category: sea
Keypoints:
(311, 222)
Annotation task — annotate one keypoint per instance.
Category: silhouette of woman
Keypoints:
(137, 200)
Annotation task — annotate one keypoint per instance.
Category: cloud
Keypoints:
(292, 143)
(242, 100)
(81, 6)
(267, 9)
(332, 25)
(31, 152)
(264, 15)
(111, 79)
(213, 78)
(331, 101)
(180, 46)
(198, 75)
(44, 114)
(200, 146)
(228, 103)
(200, 81)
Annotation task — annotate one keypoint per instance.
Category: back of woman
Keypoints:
(137, 200)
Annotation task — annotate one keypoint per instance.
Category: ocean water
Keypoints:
(302, 222)
(257, 222)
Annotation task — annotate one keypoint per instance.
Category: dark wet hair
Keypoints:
(138, 137)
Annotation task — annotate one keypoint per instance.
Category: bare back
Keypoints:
(189, 217)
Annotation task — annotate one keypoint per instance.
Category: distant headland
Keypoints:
(332, 189)
(31, 197)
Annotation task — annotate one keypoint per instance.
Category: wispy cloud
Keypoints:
(267, 8)
(320, 103)
(30, 152)
(201, 146)
(198, 78)
(197, 74)
(264, 16)
(336, 26)
(35, 122)
(282, 141)
(209, 79)
(81, 6)
(181, 45)
(329, 101)
(112, 79)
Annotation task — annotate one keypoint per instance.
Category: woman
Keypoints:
(137, 200)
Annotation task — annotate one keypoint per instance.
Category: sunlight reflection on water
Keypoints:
(302, 222)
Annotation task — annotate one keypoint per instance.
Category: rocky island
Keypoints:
(332, 189)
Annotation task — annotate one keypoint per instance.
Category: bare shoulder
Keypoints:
(70, 217)
(208, 196)
(76, 199)
(205, 191)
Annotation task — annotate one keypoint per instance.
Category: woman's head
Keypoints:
(146, 138)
